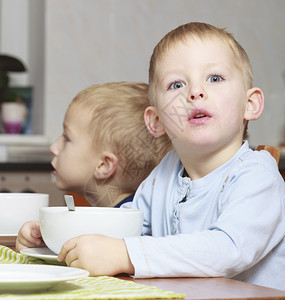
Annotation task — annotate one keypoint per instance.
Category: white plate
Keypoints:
(25, 277)
(43, 253)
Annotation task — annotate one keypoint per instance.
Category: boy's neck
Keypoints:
(202, 164)
(121, 197)
(106, 196)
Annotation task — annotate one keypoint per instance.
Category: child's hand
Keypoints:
(29, 236)
(98, 254)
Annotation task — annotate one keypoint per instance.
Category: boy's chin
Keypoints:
(63, 187)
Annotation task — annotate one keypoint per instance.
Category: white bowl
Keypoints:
(18, 208)
(58, 225)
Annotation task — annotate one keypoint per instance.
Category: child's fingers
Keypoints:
(65, 249)
(71, 258)
(22, 243)
(36, 234)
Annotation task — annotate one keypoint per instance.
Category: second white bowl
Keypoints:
(18, 208)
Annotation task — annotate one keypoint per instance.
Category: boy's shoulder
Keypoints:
(256, 172)
(170, 161)
(169, 166)
(171, 156)
(257, 163)
(262, 157)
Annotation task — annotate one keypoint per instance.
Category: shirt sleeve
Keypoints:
(249, 225)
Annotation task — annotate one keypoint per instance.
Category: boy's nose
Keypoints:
(194, 97)
(196, 93)
(54, 148)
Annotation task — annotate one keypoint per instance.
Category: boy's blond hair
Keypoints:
(117, 125)
(202, 31)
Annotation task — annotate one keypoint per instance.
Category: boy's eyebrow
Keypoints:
(174, 72)
(177, 71)
(219, 64)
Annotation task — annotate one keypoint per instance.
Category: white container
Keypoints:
(13, 115)
(18, 208)
(13, 111)
(58, 225)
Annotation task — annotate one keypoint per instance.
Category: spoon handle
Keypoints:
(69, 202)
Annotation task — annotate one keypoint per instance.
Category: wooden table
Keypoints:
(212, 288)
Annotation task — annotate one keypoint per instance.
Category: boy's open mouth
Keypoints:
(199, 116)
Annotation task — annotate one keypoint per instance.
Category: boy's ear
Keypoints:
(152, 122)
(107, 166)
(255, 104)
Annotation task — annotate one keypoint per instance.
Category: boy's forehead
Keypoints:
(77, 113)
(211, 48)
(77, 108)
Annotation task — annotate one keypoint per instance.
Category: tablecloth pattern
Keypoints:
(100, 287)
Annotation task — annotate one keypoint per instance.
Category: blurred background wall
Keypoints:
(71, 44)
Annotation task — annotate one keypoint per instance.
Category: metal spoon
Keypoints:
(69, 202)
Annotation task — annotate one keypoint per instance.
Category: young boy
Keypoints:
(213, 207)
(105, 150)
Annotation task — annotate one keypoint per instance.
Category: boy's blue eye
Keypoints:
(215, 78)
(177, 85)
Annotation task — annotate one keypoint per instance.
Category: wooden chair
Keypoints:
(79, 200)
(274, 151)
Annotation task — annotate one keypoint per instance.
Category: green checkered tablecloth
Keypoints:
(100, 287)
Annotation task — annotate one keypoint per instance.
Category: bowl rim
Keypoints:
(90, 209)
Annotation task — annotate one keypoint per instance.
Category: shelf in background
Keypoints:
(23, 139)
(24, 148)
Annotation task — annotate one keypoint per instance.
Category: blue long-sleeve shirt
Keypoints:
(229, 223)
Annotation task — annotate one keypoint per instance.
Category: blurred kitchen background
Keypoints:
(68, 45)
